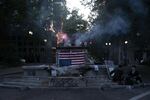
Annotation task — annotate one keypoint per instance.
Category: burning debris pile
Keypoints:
(61, 38)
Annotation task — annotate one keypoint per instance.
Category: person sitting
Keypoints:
(133, 77)
(117, 75)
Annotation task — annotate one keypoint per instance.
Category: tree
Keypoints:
(75, 23)
(12, 15)
(136, 12)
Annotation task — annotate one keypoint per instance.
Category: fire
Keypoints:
(61, 37)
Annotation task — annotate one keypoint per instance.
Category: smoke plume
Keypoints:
(117, 22)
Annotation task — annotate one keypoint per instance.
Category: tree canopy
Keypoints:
(75, 23)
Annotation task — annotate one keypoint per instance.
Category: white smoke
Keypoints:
(116, 24)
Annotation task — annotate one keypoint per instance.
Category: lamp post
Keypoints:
(125, 52)
(125, 42)
(30, 33)
(30, 54)
(108, 44)
(45, 40)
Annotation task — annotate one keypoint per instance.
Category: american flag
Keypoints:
(71, 58)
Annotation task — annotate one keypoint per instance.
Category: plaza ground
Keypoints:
(77, 94)
(72, 94)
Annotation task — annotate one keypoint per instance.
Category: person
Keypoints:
(117, 74)
(133, 77)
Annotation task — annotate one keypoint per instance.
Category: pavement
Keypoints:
(77, 93)
(72, 94)
(143, 70)
(13, 70)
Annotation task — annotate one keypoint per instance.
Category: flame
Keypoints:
(61, 37)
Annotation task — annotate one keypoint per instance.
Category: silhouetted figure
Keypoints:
(133, 77)
(118, 75)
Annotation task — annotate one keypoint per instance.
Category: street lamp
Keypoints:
(126, 42)
(106, 43)
(109, 44)
(125, 52)
(108, 49)
(30, 33)
(45, 40)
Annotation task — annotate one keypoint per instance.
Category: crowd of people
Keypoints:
(132, 77)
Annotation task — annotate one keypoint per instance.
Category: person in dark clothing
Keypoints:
(134, 77)
(117, 75)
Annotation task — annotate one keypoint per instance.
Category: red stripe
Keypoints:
(74, 58)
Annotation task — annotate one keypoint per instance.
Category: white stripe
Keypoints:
(140, 96)
(79, 60)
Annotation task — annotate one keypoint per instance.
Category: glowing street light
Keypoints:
(108, 49)
(45, 40)
(108, 44)
(126, 42)
(30, 33)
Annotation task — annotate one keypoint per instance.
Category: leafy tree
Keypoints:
(12, 15)
(75, 23)
(136, 11)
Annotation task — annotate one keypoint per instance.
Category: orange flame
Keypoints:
(61, 37)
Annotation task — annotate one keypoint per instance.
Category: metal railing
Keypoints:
(54, 81)
(66, 82)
